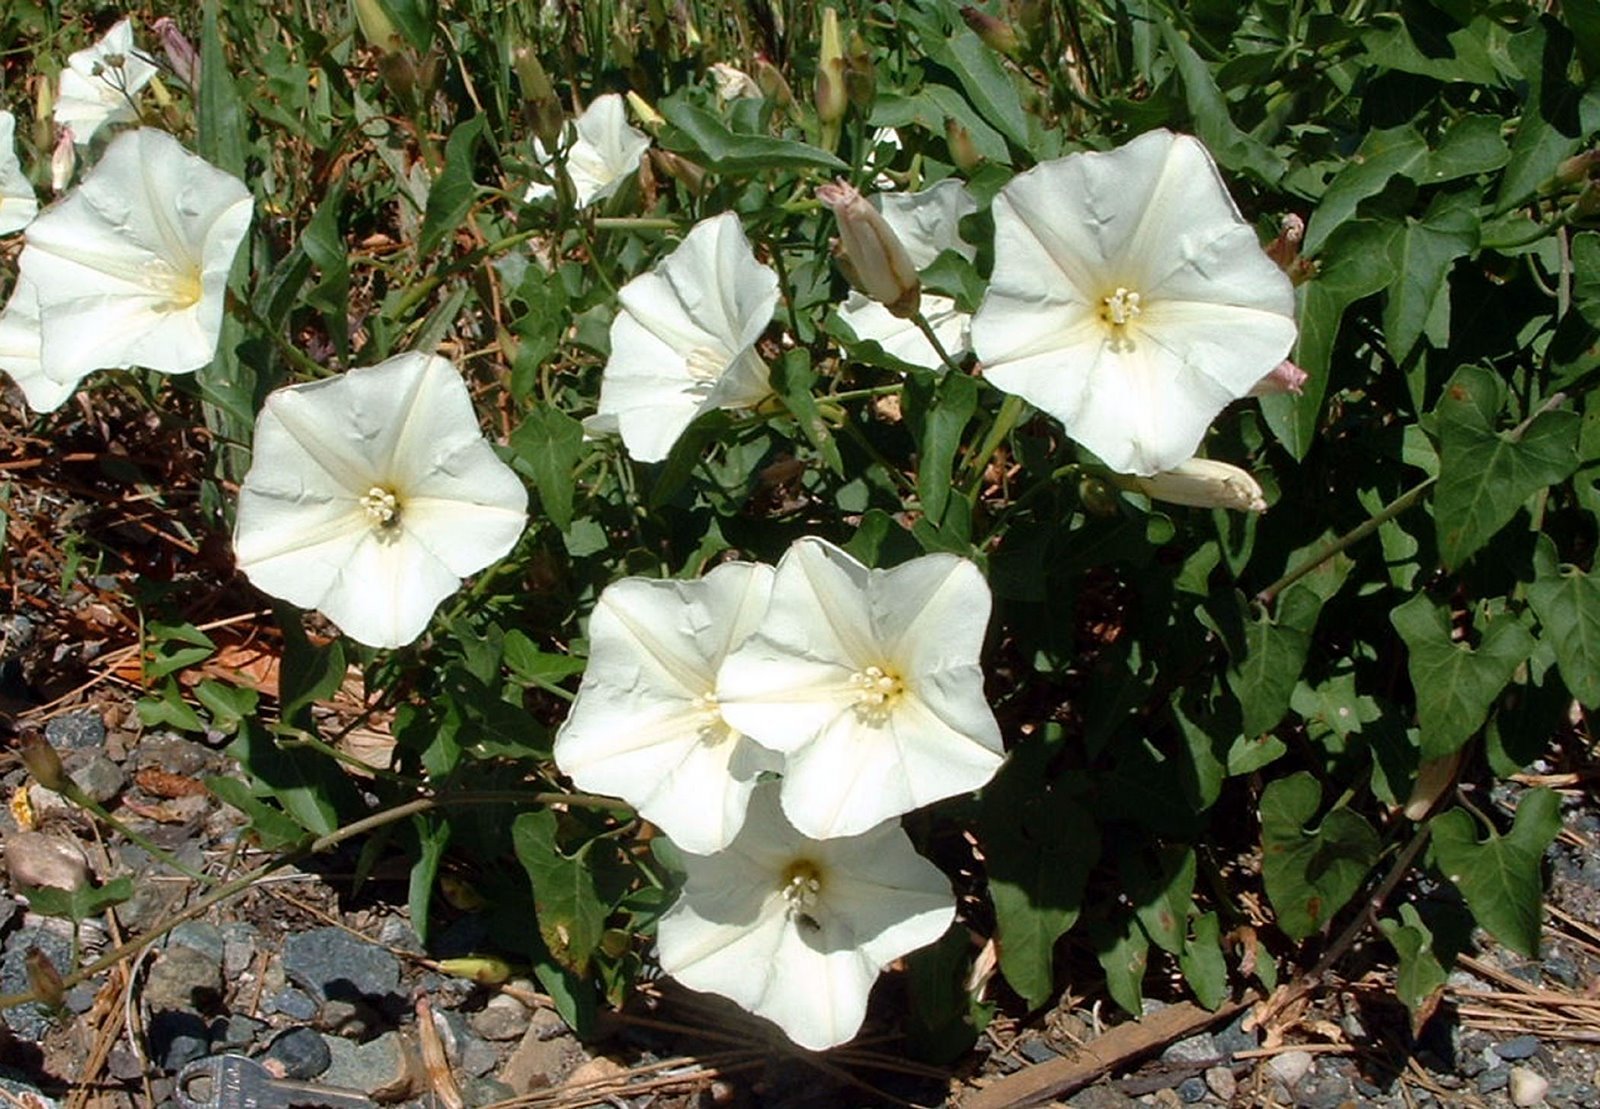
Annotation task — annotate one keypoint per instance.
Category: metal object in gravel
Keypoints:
(238, 1082)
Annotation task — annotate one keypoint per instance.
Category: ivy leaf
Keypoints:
(1265, 678)
(937, 410)
(268, 823)
(1310, 875)
(548, 444)
(1202, 962)
(1500, 876)
(1455, 684)
(1484, 475)
(1567, 604)
(451, 196)
(80, 903)
(1422, 252)
(1123, 951)
(1419, 981)
(1040, 848)
(1160, 889)
(571, 914)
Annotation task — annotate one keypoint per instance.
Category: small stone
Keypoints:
(1521, 1047)
(332, 964)
(1527, 1087)
(177, 1039)
(239, 943)
(1563, 970)
(1220, 1081)
(485, 1091)
(503, 1018)
(301, 1053)
(397, 933)
(383, 1068)
(1493, 1079)
(235, 1032)
(598, 1069)
(184, 978)
(25, 1094)
(124, 1065)
(1234, 1038)
(1195, 1049)
(478, 1057)
(354, 1020)
(1037, 1051)
(173, 754)
(538, 1060)
(83, 729)
(1290, 1066)
(292, 1003)
(1100, 1097)
(37, 859)
(80, 998)
(98, 777)
(1191, 1090)
(200, 935)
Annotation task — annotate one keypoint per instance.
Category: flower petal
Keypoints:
(927, 223)
(903, 339)
(18, 202)
(19, 350)
(101, 84)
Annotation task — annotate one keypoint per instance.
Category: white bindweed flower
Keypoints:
(18, 202)
(605, 152)
(1129, 299)
(372, 494)
(645, 726)
(101, 84)
(683, 343)
(797, 930)
(132, 266)
(1203, 483)
(926, 223)
(868, 682)
(19, 350)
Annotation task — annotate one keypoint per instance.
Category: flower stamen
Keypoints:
(705, 364)
(382, 508)
(877, 690)
(1120, 307)
(713, 729)
(802, 889)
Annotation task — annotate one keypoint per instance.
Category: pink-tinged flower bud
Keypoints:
(1202, 483)
(541, 107)
(1576, 169)
(963, 151)
(871, 256)
(1285, 377)
(685, 172)
(42, 761)
(44, 980)
(831, 97)
(772, 83)
(63, 160)
(1587, 206)
(995, 33)
(1285, 249)
(734, 83)
(181, 54)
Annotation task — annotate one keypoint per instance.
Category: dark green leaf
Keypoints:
(701, 135)
(1236, 149)
(80, 903)
(1420, 977)
(1455, 684)
(793, 379)
(1310, 875)
(323, 244)
(1159, 889)
(1202, 963)
(309, 785)
(451, 197)
(538, 667)
(1422, 252)
(1500, 876)
(1484, 475)
(221, 137)
(548, 444)
(433, 835)
(571, 914)
(937, 410)
(1265, 678)
(1123, 952)
(1567, 604)
(271, 827)
(985, 81)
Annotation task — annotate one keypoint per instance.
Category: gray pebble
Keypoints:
(80, 998)
(330, 963)
(236, 1032)
(97, 776)
(380, 1067)
(83, 729)
(1521, 1047)
(1234, 1038)
(292, 1003)
(1220, 1081)
(200, 935)
(1290, 1066)
(31, 1021)
(1191, 1090)
(1494, 1079)
(173, 754)
(478, 1057)
(26, 1093)
(397, 933)
(503, 1018)
(1563, 970)
(240, 941)
(183, 978)
(303, 1053)
(1037, 1051)
(177, 1039)
(1100, 1097)
(485, 1091)
(1195, 1049)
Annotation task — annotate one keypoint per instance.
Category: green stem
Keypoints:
(72, 793)
(301, 361)
(1010, 413)
(927, 333)
(858, 394)
(634, 223)
(1394, 508)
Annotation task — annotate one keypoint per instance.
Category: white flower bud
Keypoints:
(1202, 483)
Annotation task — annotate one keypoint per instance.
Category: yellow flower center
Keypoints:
(713, 729)
(802, 889)
(705, 364)
(1120, 307)
(382, 507)
(877, 691)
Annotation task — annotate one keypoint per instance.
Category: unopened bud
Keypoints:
(1587, 206)
(399, 74)
(540, 104)
(860, 78)
(461, 894)
(1285, 249)
(831, 98)
(870, 254)
(486, 970)
(996, 34)
(685, 172)
(1576, 169)
(181, 54)
(1202, 483)
(63, 160)
(773, 84)
(44, 980)
(42, 761)
(44, 100)
(1285, 377)
(1096, 496)
(1033, 16)
(376, 26)
(963, 151)
(644, 112)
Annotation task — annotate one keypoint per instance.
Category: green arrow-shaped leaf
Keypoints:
(1310, 875)
(1485, 476)
(1455, 684)
(1567, 604)
(1499, 876)
(1422, 253)
(1420, 976)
